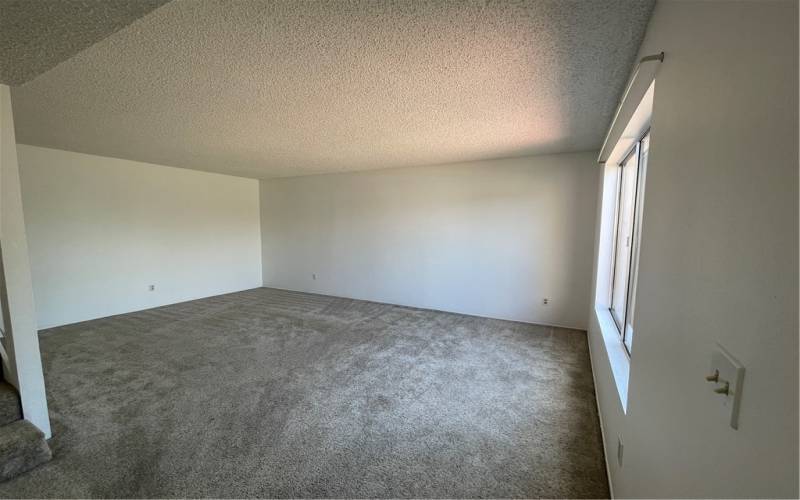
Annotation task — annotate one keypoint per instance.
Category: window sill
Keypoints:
(620, 362)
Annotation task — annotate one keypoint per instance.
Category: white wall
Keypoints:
(489, 238)
(719, 260)
(102, 229)
(23, 366)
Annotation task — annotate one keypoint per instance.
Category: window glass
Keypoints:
(644, 149)
(623, 244)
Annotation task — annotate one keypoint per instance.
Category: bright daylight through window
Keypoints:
(627, 216)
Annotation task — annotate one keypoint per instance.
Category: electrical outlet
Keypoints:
(151, 287)
(546, 301)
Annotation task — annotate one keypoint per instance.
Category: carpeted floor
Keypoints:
(268, 393)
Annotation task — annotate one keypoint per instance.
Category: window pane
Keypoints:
(644, 148)
(624, 239)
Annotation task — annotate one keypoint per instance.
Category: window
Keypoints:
(624, 157)
(625, 256)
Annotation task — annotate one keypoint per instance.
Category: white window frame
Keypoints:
(623, 321)
(636, 128)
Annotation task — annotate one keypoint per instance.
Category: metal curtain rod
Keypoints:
(635, 82)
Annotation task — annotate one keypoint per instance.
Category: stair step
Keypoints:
(22, 447)
(10, 409)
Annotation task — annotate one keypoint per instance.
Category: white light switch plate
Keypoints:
(732, 373)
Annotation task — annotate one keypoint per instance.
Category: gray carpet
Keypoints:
(267, 393)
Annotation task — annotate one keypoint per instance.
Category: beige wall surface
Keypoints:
(23, 366)
(490, 238)
(719, 260)
(102, 230)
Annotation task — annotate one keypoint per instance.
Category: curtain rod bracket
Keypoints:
(654, 57)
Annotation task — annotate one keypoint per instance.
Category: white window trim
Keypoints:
(617, 353)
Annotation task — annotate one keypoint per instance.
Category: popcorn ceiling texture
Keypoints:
(270, 89)
(35, 35)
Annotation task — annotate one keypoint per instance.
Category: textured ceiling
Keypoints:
(35, 35)
(266, 89)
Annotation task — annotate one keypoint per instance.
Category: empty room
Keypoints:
(399, 248)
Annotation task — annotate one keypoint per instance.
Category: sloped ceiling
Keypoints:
(267, 89)
(35, 35)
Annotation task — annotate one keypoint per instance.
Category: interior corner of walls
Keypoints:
(391, 235)
(99, 239)
(603, 425)
(707, 64)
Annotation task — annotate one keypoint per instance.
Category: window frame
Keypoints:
(633, 261)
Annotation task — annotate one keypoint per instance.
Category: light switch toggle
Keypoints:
(725, 389)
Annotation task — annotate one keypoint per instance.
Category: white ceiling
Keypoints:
(35, 35)
(267, 89)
